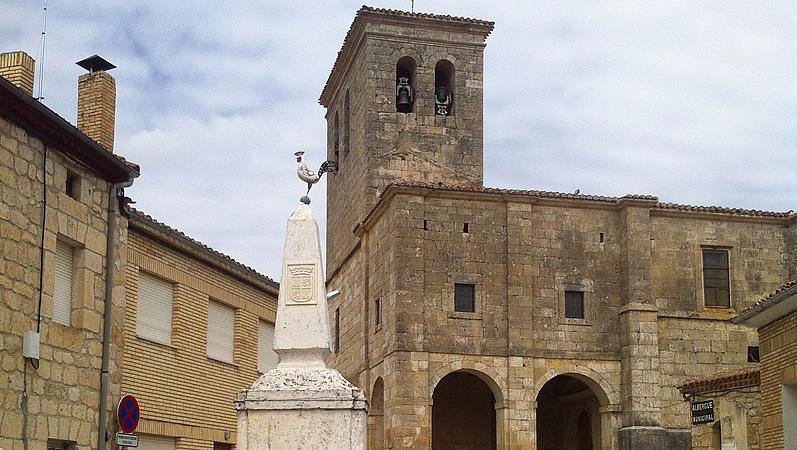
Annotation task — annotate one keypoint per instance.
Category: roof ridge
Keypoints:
(604, 198)
(226, 258)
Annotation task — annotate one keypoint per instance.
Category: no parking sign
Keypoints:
(127, 414)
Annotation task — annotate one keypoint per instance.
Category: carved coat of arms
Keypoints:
(301, 282)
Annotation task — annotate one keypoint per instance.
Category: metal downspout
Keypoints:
(113, 201)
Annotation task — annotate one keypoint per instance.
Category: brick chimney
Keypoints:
(18, 68)
(96, 101)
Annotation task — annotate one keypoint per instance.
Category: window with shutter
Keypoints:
(221, 326)
(155, 443)
(62, 288)
(154, 321)
(574, 304)
(267, 358)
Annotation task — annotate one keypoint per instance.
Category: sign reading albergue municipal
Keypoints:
(702, 412)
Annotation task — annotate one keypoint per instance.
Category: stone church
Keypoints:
(483, 318)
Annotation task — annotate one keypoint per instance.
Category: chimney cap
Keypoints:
(95, 63)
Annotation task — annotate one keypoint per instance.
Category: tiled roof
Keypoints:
(723, 381)
(723, 210)
(367, 10)
(527, 192)
(136, 215)
(771, 298)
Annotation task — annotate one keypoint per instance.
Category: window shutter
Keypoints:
(221, 323)
(155, 443)
(154, 321)
(267, 358)
(62, 289)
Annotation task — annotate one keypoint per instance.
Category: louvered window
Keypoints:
(267, 358)
(62, 289)
(155, 443)
(154, 321)
(221, 326)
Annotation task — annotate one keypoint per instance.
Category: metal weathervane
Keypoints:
(310, 177)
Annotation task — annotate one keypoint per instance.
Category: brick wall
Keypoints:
(63, 393)
(778, 365)
(182, 392)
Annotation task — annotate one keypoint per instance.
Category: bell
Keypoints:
(403, 95)
(442, 100)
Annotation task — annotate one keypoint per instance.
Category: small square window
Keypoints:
(574, 304)
(464, 297)
(378, 311)
(72, 187)
(752, 354)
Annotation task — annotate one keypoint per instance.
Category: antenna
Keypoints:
(40, 58)
(412, 8)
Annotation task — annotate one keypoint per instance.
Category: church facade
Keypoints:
(478, 318)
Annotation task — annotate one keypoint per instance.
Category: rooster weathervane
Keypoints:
(310, 177)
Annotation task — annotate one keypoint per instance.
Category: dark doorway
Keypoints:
(376, 417)
(567, 415)
(463, 414)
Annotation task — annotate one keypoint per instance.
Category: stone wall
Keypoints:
(778, 366)
(63, 393)
(183, 393)
(519, 324)
(739, 421)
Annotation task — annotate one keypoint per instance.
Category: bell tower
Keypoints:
(404, 104)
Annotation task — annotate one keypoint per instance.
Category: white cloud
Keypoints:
(694, 102)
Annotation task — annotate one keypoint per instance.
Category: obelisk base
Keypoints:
(301, 408)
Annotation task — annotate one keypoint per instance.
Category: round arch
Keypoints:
(599, 385)
(487, 374)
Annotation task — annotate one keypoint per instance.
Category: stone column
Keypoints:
(302, 404)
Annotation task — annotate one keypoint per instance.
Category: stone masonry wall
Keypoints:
(63, 393)
(548, 248)
(738, 413)
(165, 378)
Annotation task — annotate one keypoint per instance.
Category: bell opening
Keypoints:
(444, 88)
(405, 85)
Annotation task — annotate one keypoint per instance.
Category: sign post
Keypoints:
(702, 412)
(128, 415)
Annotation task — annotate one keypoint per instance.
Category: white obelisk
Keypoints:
(302, 404)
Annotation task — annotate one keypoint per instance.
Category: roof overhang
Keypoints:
(40, 121)
(772, 308)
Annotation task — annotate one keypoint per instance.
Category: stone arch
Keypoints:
(486, 373)
(601, 387)
(376, 416)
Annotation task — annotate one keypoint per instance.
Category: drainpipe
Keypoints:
(113, 202)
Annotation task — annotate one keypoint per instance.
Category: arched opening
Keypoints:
(463, 413)
(405, 84)
(444, 88)
(568, 416)
(376, 417)
(336, 137)
(346, 121)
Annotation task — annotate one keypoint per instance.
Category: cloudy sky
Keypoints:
(695, 102)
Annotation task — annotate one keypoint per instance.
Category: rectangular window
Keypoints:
(267, 358)
(716, 284)
(378, 311)
(574, 304)
(72, 186)
(464, 300)
(155, 443)
(337, 329)
(155, 297)
(752, 354)
(221, 331)
(62, 288)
